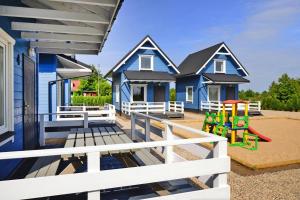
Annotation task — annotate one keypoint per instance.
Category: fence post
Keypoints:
(147, 111)
(175, 106)
(85, 120)
(147, 129)
(93, 166)
(182, 107)
(42, 130)
(133, 117)
(168, 136)
(169, 106)
(164, 108)
(220, 150)
(209, 105)
(259, 105)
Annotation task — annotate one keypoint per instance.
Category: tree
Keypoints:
(94, 82)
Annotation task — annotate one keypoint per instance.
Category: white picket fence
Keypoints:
(217, 106)
(152, 107)
(95, 113)
(217, 166)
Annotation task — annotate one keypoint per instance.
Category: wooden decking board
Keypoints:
(107, 139)
(70, 142)
(53, 166)
(142, 159)
(150, 156)
(98, 139)
(116, 138)
(79, 140)
(89, 139)
(35, 168)
(44, 166)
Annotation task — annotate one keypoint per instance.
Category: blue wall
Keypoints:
(47, 72)
(20, 48)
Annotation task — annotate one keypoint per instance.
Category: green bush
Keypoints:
(172, 94)
(91, 100)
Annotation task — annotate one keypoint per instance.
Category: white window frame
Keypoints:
(215, 66)
(117, 90)
(7, 42)
(151, 62)
(214, 86)
(187, 94)
(145, 93)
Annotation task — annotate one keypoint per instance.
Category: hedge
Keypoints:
(91, 100)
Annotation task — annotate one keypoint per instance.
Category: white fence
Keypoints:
(94, 180)
(44, 124)
(95, 113)
(152, 107)
(217, 106)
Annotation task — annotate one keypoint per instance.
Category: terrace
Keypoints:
(101, 160)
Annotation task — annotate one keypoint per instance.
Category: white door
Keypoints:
(213, 93)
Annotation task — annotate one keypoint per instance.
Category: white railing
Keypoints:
(176, 106)
(217, 106)
(95, 113)
(216, 166)
(44, 124)
(152, 107)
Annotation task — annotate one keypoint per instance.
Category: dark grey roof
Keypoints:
(225, 78)
(149, 76)
(192, 63)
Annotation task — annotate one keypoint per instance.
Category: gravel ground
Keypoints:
(276, 185)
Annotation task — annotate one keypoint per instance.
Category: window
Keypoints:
(213, 93)
(6, 82)
(146, 62)
(189, 94)
(138, 93)
(117, 87)
(220, 66)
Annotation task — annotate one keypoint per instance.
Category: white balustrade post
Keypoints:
(168, 136)
(133, 118)
(209, 105)
(259, 105)
(220, 150)
(85, 120)
(42, 130)
(182, 107)
(164, 108)
(147, 129)
(93, 166)
(169, 106)
(147, 110)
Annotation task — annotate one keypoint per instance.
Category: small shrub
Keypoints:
(91, 100)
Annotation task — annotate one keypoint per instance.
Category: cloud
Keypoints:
(265, 46)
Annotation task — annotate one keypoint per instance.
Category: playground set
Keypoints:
(229, 124)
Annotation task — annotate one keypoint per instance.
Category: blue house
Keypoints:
(34, 72)
(141, 79)
(208, 77)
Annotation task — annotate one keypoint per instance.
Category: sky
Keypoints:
(264, 35)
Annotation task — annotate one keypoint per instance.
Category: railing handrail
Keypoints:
(102, 148)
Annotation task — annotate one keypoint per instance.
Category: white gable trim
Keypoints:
(217, 52)
(81, 67)
(147, 39)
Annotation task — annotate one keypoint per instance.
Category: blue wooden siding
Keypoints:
(20, 48)
(199, 89)
(47, 72)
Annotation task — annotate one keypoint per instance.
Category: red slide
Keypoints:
(253, 131)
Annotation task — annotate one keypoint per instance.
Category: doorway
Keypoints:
(159, 94)
(230, 92)
(29, 104)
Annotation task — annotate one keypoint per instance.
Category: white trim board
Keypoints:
(234, 58)
(151, 62)
(131, 92)
(147, 39)
(7, 43)
(186, 94)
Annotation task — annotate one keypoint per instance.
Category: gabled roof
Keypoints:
(195, 62)
(139, 46)
(149, 76)
(224, 78)
(68, 67)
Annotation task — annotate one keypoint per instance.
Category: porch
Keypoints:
(101, 162)
(254, 106)
(169, 109)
